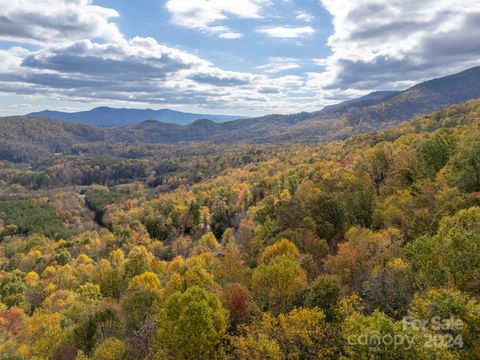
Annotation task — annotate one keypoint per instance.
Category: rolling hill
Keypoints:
(25, 139)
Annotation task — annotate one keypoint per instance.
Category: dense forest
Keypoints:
(365, 248)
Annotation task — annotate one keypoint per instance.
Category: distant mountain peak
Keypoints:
(203, 122)
(149, 122)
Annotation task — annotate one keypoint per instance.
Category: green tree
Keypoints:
(434, 153)
(191, 325)
(324, 293)
(329, 214)
(452, 256)
(450, 305)
(372, 337)
(138, 261)
(466, 166)
(12, 289)
(143, 295)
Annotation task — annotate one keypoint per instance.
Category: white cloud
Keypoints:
(304, 16)
(44, 21)
(279, 64)
(96, 63)
(321, 61)
(83, 57)
(231, 35)
(393, 44)
(203, 14)
(287, 32)
(139, 70)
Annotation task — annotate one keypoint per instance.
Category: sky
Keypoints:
(239, 57)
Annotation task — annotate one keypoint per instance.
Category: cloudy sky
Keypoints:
(243, 57)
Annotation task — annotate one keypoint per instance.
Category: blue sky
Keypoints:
(152, 18)
(245, 57)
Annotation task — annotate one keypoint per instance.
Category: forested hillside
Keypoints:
(32, 139)
(248, 251)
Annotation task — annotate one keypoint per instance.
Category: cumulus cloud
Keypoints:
(380, 44)
(287, 32)
(138, 70)
(44, 21)
(81, 55)
(204, 15)
(137, 59)
(123, 65)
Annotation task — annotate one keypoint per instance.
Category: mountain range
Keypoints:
(376, 111)
(111, 117)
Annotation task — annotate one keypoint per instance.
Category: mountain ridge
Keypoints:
(373, 112)
(104, 116)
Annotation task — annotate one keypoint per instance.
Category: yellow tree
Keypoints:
(279, 285)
